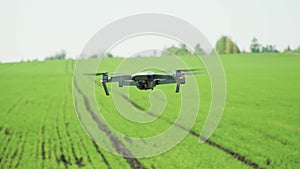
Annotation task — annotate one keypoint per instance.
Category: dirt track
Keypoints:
(118, 145)
(236, 155)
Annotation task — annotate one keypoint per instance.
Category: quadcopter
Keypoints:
(146, 80)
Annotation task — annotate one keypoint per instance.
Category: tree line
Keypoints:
(226, 46)
(223, 46)
(57, 56)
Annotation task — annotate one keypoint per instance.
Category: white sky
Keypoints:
(37, 29)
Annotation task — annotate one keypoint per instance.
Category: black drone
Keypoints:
(146, 80)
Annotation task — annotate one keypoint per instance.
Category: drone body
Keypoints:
(145, 80)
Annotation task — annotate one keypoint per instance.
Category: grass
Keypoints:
(39, 126)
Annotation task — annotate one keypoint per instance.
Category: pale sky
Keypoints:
(36, 29)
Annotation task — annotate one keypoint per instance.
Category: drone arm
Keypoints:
(163, 77)
(128, 83)
(119, 78)
(168, 81)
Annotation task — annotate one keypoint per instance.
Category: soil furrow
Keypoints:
(7, 145)
(78, 161)
(59, 137)
(41, 142)
(118, 145)
(60, 158)
(43, 152)
(85, 150)
(101, 154)
(21, 152)
(37, 150)
(50, 152)
(15, 153)
(7, 159)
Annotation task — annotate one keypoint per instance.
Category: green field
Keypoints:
(259, 129)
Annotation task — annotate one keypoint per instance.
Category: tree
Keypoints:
(183, 50)
(109, 55)
(173, 50)
(169, 51)
(220, 46)
(255, 46)
(94, 56)
(226, 46)
(199, 50)
(269, 49)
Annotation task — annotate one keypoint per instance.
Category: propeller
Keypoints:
(96, 74)
(102, 73)
(189, 70)
(176, 70)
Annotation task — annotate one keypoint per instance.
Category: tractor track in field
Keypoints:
(101, 155)
(95, 144)
(118, 145)
(235, 155)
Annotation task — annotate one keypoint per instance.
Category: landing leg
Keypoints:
(177, 87)
(105, 88)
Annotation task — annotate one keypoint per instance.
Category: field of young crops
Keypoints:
(259, 128)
